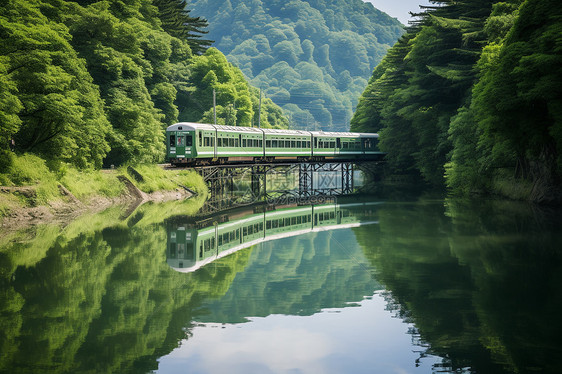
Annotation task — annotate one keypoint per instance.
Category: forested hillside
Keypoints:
(471, 97)
(97, 82)
(312, 57)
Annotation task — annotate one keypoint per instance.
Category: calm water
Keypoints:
(420, 286)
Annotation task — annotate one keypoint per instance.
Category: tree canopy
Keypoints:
(311, 57)
(470, 97)
(95, 83)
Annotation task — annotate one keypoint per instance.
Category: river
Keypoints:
(365, 285)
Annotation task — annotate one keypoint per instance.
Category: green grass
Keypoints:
(86, 184)
(32, 172)
(154, 178)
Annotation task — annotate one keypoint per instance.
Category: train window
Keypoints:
(338, 142)
(244, 231)
(250, 230)
(243, 142)
(200, 139)
(268, 143)
(261, 226)
(237, 233)
(293, 220)
(207, 245)
(332, 145)
(345, 145)
(274, 143)
(293, 144)
(308, 144)
(315, 143)
(268, 225)
(172, 140)
(212, 142)
(299, 144)
(261, 143)
(275, 223)
(181, 141)
(220, 240)
(188, 140)
(236, 143)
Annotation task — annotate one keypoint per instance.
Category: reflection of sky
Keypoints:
(364, 339)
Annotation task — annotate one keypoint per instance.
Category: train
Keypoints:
(204, 144)
(192, 245)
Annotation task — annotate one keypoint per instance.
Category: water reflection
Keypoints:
(193, 244)
(475, 284)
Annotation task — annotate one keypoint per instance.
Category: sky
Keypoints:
(399, 8)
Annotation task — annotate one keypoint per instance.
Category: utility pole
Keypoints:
(259, 112)
(215, 105)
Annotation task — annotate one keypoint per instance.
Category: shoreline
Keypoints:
(66, 207)
(63, 212)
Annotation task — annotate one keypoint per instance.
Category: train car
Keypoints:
(194, 143)
(287, 144)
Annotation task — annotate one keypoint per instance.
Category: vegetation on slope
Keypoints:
(94, 83)
(473, 89)
(312, 57)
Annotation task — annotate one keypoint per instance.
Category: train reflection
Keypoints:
(192, 245)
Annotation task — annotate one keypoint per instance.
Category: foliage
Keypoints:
(177, 22)
(470, 92)
(311, 57)
(94, 83)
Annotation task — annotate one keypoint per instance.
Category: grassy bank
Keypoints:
(29, 183)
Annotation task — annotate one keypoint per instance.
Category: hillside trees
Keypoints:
(473, 89)
(423, 81)
(339, 44)
(50, 105)
(517, 102)
(97, 82)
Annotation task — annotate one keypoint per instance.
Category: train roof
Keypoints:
(345, 134)
(190, 126)
(286, 132)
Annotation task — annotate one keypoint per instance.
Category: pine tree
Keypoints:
(177, 22)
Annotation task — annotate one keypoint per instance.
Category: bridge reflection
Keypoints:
(194, 243)
(285, 183)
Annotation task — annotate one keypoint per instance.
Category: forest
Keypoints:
(95, 83)
(470, 98)
(312, 57)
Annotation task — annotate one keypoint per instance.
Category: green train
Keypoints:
(203, 144)
(191, 246)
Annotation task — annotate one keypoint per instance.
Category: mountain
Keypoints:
(313, 57)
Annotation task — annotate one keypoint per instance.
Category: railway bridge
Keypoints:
(289, 182)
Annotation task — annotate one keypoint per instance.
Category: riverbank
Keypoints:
(31, 194)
